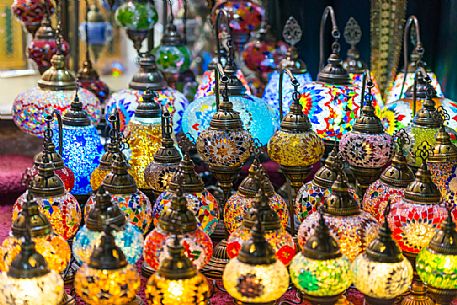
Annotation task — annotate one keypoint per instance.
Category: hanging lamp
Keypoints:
(31, 12)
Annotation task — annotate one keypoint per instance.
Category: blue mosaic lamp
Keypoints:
(292, 34)
(82, 146)
(258, 118)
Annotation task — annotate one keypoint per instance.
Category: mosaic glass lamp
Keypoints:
(240, 203)
(178, 219)
(31, 12)
(352, 228)
(125, 194)
(107, 278)
(201, 202)
(276, 235)
(392, 184)
(382, 273)
(256, 276)
(82, 145)
(177, 280)
(159, 172)
(320, 271)
(367, 147)
(313, 193)
(291, 34)
(60, 207)
(29, 280)
(437, 263)
(54, 248)
(144, 135)
(55, 91)
(106, 213)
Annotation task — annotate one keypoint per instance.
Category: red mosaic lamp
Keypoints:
(31, 12)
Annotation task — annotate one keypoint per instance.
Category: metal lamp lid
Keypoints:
(368, 122)
(326, 175)
(76, 115)
(340, 202)
(295, 121)
(176, 265)
(226, 118)
(107, 256)
(186, 178)
(46, 183)
(57, 78)
(428, 116)
(87, 72)
(104, 213)
(148, 76)
(444, 150)
(178, 218)
(167, 153)
(148, 107)
(31, 216)
(445, 240)
(119, 181)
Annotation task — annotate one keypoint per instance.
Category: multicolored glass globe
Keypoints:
(207, 84)
(320, 269)
(382, 272)
(107, 278)
(201, 202)
(127, 236)
(82, 146)
(31, 12)
(54, 248)
(178, 219)
(125, 194)
(177, 281)
(256, 275)
(240, 203)
(55, 91)
(353, 228)
(421, 203)
(392, 183)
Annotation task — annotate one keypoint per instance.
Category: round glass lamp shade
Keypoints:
(107, 287)
(158, 175)
(30, 107)
(129, 240)
(204, 205)
(144, 136)
(173, 58)
(63, 212)
(208, 83)
(82, 149)
(437, 270)
(198, 247)
(263, 56)
(192, 291)
(271, 95)
(136, 15)
(280, 240)
(54, 249)
(377, 196)
(381, 280)
(353, 233)
(257, 117)
(320, 277)
(43, 290)
(239, 204)
(42, 49)
(127, 100)
(65, 174)
(136, 207)
(31, 12)
(255, 283)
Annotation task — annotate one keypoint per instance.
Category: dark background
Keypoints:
(438, 25)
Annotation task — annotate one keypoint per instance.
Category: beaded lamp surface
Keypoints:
(31, 12)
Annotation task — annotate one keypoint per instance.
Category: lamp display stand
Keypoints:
(418, 293)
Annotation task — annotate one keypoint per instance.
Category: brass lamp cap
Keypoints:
(107, 158)
(398, 174)
(384, 249)
(57, 78)
(176, 266)
(340, 202)
(148, 108)
(148, 76)
(178, 218)
(250, 185)
(257, 251)
(445, 239)
(104, 213)
(87, 72)
(234, 85)
(171, 37)
(167, 153)
(119, 181)
(326, 175)
(46, 183)
(368, 122)
(295, 121)
(226, 118)
(76, 115)
(28, 264)
(333, 72)
(54, 156)
(107, 256)
(38, 224)
(186, 178)
(321, 245)
(444, 150)
(45, 31)
(421, 89)
(428, 116)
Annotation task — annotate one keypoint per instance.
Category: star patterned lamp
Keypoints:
(353, 228)
(160, 171)
(178, 219)
(82, 146)
(392, 183)
(320, 271)
(367, 148)
(125, 193)
(177, 281)
(201, 202)
(240, 203)
(256, 276)
(128, 237)
(107, 278)
(384, 264)
(54, 248)
(291, 34)
(31, 12)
